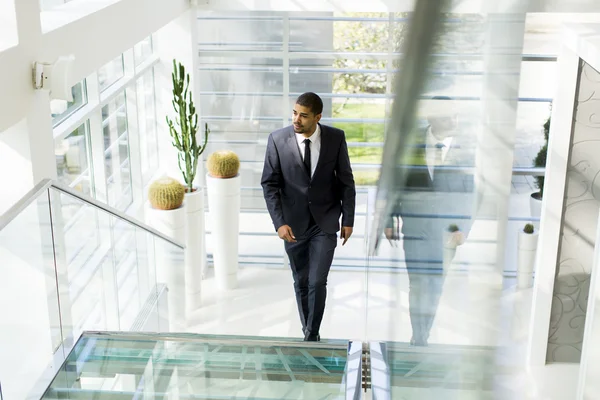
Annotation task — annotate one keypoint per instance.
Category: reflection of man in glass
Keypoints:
(435, 208)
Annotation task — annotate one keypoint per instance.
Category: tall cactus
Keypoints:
(183, 130)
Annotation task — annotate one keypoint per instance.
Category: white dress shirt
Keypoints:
(431, 151)
(315, 148)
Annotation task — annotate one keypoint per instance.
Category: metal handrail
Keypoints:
(217, 339)
(24, 202)
(46, 184)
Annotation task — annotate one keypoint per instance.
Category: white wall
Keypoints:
(26, 135)
(14, 152)
(94, 40)
(569, 205)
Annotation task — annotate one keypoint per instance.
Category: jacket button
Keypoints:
(310, 202)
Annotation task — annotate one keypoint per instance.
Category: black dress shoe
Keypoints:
(420, 342)
(312, 338)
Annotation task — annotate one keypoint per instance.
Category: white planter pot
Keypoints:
(224, 201)
(170, 223)
(527, 248)
(535, 208)
(169, 271)
(195, 248)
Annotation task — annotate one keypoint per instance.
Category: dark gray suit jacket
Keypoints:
(429, 206)
(291, 195)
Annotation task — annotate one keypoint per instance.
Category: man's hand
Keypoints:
(345, 233)
(458, 238)
(455, 239)
(285, 233)
(389, 233)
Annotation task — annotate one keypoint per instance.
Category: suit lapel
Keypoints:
(292, 145)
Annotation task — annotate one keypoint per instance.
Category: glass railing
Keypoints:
(72, 265)
(186, 366)
(442, 316)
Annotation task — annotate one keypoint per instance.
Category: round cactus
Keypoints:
(528, 229)
(166, 194)
(223, 164)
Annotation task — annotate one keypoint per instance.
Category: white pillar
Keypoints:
(589, 370)
(494, 158)
(552, 206)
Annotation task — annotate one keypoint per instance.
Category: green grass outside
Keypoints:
(366, 132)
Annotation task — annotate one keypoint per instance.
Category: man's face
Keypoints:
(443, 126)
(305, 121)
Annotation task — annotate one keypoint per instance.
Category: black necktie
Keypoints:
(307, 156)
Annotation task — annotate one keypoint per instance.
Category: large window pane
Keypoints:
(258, 76)
(143, 50)
(46, 5)
(537, 79)
(341, 33)
(73, 161)
(110, 73)
(147, 124)
(61, 109)
(531, 117)
(116, 153)
(262, 31)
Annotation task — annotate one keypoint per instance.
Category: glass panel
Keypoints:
(457, 372)
(61, 109)
(255, 79)
(50, 4)
(116, 155)
(111, 269)
(142, 51)
(111, 73)
(204, 366)
(537, 79)
(436, 287)
(531, 117)
(354, 32)
(30, 324)
(262, 31)
(73, 160)
(147, 125)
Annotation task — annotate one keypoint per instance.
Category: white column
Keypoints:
(494, 159)
(589, 370)
(552, 206)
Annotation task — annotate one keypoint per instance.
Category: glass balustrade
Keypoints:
(75, 265)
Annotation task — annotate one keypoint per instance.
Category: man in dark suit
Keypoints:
(436, 208)
(308, 183)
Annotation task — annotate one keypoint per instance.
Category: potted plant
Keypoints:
(535, 201)
(527, 247)
(166, 213)
(183, 130)
(223, 185)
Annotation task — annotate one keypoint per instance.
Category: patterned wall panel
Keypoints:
(571, 287)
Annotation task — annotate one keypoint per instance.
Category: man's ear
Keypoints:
(319, 117)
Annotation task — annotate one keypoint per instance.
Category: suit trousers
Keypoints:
(426, 281)
(310, 261)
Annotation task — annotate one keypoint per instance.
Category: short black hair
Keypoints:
(312, 101)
